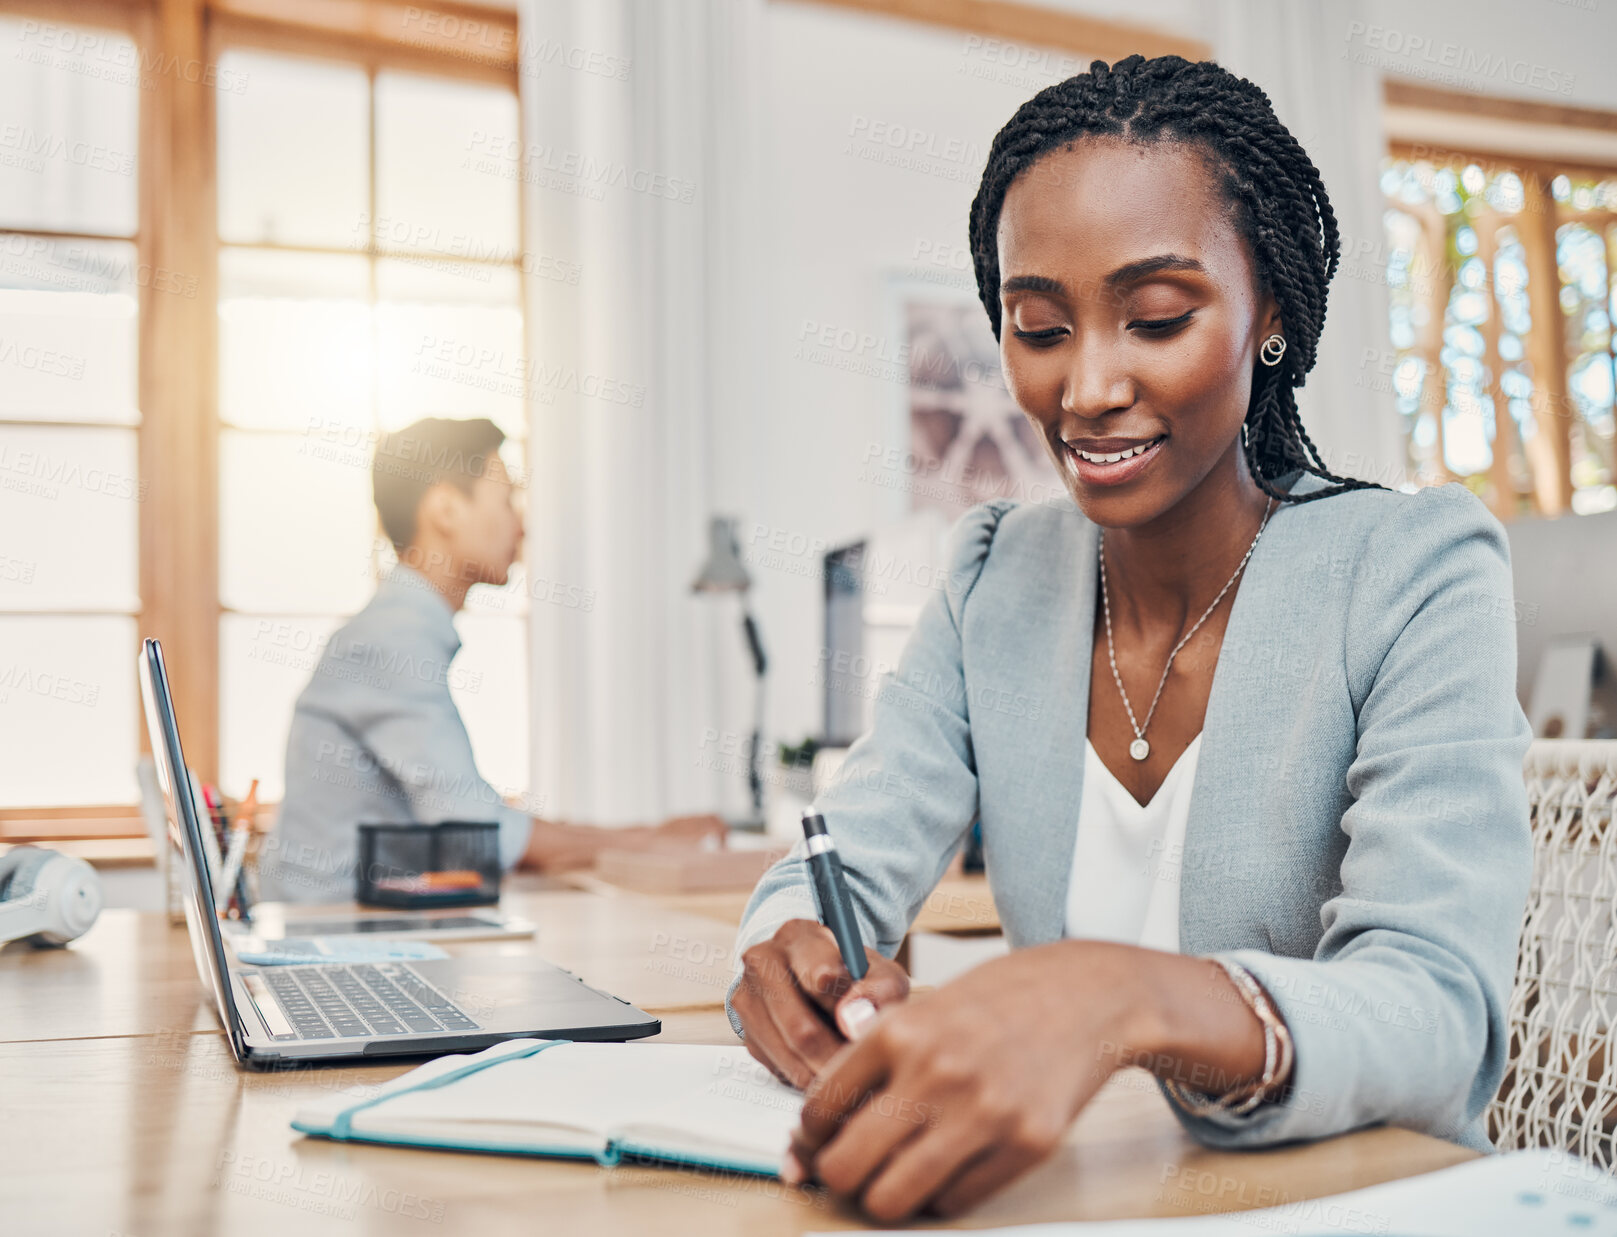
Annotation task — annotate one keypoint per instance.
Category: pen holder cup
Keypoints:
(456, 863)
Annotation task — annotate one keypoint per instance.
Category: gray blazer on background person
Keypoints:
(1358, 833)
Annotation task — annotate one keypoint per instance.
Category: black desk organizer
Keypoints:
(397, 864)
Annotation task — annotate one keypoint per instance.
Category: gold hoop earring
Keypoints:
(1271, 350)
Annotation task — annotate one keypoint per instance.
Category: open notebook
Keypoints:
(710, 1107)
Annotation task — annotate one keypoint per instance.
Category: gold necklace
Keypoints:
(1140, 749)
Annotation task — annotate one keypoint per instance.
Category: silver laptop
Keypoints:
(331, 1011)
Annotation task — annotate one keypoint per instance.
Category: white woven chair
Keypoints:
(1560, 1089)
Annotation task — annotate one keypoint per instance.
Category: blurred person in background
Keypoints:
(376, 736)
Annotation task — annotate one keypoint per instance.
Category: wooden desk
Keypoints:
(159, 1133)
(960, 905)
(132, 973)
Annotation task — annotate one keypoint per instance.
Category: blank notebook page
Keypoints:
(693, 1095)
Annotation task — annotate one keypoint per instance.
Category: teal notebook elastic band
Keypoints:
(342, 1124)
(619, 1150)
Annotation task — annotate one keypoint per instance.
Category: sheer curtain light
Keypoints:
(636, 180)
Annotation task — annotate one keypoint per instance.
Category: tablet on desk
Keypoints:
(276, 921)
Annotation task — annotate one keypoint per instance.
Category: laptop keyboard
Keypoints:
(332, 1001)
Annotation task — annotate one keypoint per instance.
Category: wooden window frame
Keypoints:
(177, 358)
(1032, 25)
(1536, 226)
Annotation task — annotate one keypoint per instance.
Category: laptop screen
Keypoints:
(185, 833)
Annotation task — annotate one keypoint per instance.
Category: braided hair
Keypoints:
(1279, 202)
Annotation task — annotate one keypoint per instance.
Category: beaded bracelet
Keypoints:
(1277, 1055)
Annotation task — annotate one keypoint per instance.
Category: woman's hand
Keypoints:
(949, 1096)
(799, 1006)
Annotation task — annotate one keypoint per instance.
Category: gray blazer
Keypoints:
(1358, 832)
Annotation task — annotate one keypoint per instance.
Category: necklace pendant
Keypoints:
(1139, 749)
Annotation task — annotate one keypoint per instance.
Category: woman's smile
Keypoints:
(1109, 461)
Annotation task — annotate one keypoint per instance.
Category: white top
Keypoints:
(1128, 856)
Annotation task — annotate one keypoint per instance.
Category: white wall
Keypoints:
(842, 221)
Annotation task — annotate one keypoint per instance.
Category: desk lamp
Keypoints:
(724, 572)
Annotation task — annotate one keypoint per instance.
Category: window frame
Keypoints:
(177, 360)
(1537, 223)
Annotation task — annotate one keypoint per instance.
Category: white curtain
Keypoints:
(635, 168)
(1333, 107)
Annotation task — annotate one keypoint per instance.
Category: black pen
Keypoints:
(831, 890)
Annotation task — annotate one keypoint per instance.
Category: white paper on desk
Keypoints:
(1520, 1194)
